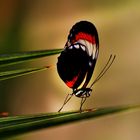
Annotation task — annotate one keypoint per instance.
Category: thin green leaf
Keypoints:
(16, 73)
(15, 58)
(13, 126)
(6, 121)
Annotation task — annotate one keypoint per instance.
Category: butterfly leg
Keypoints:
(82, 102)
(68, 97)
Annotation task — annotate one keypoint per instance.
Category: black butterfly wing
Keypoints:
(76, 63)
(72, 66)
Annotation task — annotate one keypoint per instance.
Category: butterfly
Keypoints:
(77, 61)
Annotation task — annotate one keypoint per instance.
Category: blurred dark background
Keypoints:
(44, 24)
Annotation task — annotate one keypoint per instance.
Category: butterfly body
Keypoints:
(82, 92)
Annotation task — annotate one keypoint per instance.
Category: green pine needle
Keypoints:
(16, 73)
(15, 58)
(14, 126)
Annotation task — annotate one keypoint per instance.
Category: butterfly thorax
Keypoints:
(82, 93)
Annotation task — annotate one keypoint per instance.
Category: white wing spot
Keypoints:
(83, 48)
(76, 46)
(89, 47)
(90, 64)
(94, 52)
(71, 47)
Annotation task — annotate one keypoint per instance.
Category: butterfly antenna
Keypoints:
(105, 69)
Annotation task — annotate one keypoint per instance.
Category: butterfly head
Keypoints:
(82, 93)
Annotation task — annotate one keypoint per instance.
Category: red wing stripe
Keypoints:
(72, 82)
(85, 36)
